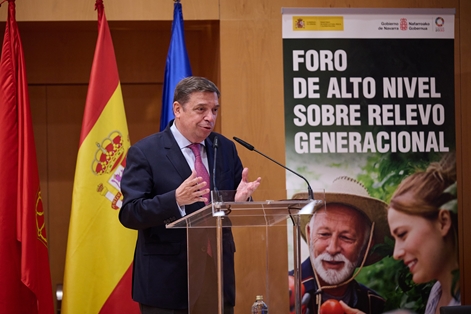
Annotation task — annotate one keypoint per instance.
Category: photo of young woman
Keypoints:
(424, 227)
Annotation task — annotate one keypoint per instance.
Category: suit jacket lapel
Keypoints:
(174, 154)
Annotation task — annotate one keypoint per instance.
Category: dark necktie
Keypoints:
(199, 167)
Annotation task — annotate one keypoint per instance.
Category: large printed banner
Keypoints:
(369, 94)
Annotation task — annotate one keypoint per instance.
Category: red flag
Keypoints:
(98, 268)
(24, 275)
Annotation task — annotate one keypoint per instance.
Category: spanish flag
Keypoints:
(25, 278)
(99, 254)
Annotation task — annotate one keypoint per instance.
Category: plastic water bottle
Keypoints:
(259, 307)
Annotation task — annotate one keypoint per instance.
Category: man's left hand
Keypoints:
(246, 188)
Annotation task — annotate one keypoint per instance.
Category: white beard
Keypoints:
(332, 276)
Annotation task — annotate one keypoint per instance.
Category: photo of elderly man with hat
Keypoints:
(340, 234)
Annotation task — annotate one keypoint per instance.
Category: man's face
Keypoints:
(336, 237)
(196, 119)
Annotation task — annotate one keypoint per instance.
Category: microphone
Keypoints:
(215, 145)
(250, 147)
(217, 197)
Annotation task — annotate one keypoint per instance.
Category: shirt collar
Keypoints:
(181, 140)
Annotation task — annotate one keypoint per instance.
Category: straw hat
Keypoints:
(347, 191)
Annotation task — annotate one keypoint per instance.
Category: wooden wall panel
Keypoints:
(37, 95)
(253, 105)
(39, 118)
(62, 52)
(118, 10)
(64, 120)
(142, 109)
(253, 110)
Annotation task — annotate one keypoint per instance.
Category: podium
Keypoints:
(206, 229)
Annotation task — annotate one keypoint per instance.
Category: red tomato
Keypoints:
(291, 289)
(292, 297)
(331, 306)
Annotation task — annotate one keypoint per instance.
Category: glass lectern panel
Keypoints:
(211, 247)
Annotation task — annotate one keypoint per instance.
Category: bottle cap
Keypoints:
(259, 297)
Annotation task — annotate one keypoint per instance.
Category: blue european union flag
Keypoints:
(177, 66)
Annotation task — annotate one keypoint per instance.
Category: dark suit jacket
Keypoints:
(155, 167)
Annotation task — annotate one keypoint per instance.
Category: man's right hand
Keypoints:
(191, 190)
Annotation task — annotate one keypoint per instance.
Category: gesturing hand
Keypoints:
(191, 190)
(246, 188)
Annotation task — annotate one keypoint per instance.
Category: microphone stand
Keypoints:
(250, 147)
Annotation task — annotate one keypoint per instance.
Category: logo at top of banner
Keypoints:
(439, 23)
(110, 161)
(403, 24)
(318, 23)
(412, 24)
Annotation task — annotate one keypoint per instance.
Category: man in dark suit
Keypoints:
(160, 185)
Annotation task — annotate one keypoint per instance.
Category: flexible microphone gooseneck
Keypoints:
(215, 145)
(250, 147)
